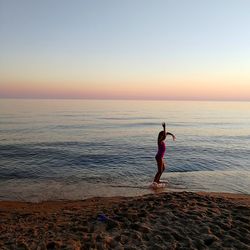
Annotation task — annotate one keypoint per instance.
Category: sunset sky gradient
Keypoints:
(133, 49)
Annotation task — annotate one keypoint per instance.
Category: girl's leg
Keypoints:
(161, 168)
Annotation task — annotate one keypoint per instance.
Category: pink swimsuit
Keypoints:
(161, 150)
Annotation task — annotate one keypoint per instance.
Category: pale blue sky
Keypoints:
(59, 40)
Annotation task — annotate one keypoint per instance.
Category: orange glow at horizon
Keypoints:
(139, 90)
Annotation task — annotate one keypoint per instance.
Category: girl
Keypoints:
(160, 154)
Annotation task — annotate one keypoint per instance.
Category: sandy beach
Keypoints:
(180, 220)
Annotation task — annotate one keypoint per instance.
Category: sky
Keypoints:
(125, 49)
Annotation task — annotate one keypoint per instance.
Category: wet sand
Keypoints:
(178, 220)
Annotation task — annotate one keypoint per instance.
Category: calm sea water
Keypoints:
(74, 149)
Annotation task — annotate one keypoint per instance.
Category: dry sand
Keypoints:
(160, 221)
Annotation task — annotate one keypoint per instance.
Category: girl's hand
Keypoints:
(164, 125)
(174, 137)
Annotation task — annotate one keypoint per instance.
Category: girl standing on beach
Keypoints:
(160, 154)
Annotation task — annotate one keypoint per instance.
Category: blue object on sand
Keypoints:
(102, 217)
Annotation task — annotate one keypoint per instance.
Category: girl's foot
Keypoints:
(161, 185)
(158, 185)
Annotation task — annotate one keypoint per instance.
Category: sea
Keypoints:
(77, 149)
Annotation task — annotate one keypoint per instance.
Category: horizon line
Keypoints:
(125, 99)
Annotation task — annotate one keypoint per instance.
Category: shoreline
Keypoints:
(169, 220)
(60, 202)
(197, 181)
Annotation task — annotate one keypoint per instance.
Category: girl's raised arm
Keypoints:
(164, 127)
(171, 135)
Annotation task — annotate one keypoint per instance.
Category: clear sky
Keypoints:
(129, 49)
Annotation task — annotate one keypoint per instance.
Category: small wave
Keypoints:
(139, 124)
(128, 118)
(234, 181)
(68, 127)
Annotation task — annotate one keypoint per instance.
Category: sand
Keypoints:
(180, 220)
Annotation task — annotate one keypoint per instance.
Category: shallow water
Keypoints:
(73, 149)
